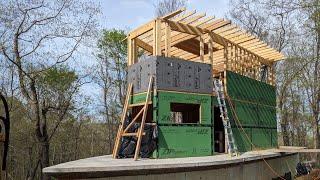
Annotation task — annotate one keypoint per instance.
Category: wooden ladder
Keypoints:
(123, 131)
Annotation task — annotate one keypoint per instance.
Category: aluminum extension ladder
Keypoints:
(219, 89)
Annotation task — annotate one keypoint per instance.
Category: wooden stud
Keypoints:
(134, 51)
(231, 59)
(234, 59)
(129, 51)
(210, 47)
(226, 53)
(252, 65)
(157, 38)
(201, 49)
(167, 41)
(237, 60)
(257, 69)
(247, 63)
(243, 63)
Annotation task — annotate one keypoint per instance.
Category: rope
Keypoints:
(248, 138)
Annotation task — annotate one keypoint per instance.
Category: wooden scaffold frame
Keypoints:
(123, 130)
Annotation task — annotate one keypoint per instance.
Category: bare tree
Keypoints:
(163, 7)
(37, 36)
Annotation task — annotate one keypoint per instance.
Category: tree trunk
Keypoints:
(43, 138)
(44, 150)
(284, 125)
(316, 93)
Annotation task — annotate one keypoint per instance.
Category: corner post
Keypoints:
(134, 51)
(167, 40)
(157, 37)
(129, 50)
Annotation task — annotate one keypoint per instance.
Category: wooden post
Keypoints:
(237, 63)
(232, 62)
(245, 59)
(157, 38)
(225, 63)
(234, 66)
(210, 49)
(243, 63)
(226, 54)
(240, 60)
(168, 40)
(257, 68)
(134, 52)
(252, 59)
(201, 49)
(129, 51)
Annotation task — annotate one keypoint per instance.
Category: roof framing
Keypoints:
(175, 34)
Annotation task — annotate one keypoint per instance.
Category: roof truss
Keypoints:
(192, 36)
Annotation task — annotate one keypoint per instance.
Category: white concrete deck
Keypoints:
(108, 166)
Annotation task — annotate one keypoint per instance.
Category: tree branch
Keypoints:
(35, 22)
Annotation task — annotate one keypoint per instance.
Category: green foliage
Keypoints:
(58, 78)
(112, 64)
(113, 43)
(76, 138)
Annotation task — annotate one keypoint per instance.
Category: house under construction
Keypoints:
(185, 53)
(205, 87)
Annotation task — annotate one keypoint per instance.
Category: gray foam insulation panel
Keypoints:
(171, 74)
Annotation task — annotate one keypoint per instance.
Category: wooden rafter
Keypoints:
(168, 16)
(193, 36)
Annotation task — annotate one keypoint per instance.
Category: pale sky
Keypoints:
(129, 14)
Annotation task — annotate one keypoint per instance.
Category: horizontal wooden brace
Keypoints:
(144, 45)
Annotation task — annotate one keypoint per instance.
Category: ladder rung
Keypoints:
(139, 104)
(132, 134)
(221, 98)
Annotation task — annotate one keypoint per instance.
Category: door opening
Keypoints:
(219, 137)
